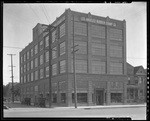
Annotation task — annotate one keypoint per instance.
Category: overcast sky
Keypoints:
(19, 20)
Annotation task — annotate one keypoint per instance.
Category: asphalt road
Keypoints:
(136, 113)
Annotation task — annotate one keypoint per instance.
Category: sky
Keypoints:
(19, 20)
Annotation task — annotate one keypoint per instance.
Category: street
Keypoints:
(136, 113)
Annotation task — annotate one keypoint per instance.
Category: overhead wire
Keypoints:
(45, 14)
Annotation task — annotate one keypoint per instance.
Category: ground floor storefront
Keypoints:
(91, 90)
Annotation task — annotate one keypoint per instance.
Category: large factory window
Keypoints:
(41, 59)
(62, 48)
(32, 76)
(28, 55)
(46, 41)
(63, 66)
(81, 97)
(31, 52)
(54, 36)
(63, 97)
(41, 73)
(36, 75)
(54, 52)
(47, 56)
(41, 45)
(36, 62)
(98, 31)
(98, 67)
(80, 28)
(62, 30)
(115, 34)
(116, 68)
(80, 65)
(98, 49)
(82, 46)
(54, 69)
(116, 98)
(47, 71)
(32, 64)
(36, 49)
(115, 51)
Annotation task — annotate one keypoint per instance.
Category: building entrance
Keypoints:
(99, 93)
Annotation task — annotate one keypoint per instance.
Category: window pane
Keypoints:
(115, 51)
(80, 65)
(98, 67)
(54, 52)
(62, 48)
(81, 97)
(47, 56)
(46, 41)
(116, 98)
(54, 36)
(115, 34)
(116, 68)
(98, 49)
(36, 75)
(63, 66)
(41, 59)
(80, 28)
(54, 69)
(31, 76)
(62, 30)
(47, 71)
(36, 49)
(41, 73)
(98, 31)
(41, 45)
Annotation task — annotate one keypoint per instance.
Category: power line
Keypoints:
(34, 12)
(12, 47)
(45, 14)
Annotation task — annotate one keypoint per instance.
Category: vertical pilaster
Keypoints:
(90, 87)
(108, 94)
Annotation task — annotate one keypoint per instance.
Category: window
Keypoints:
(41, 59)
(54, 97)
(31, 52)
(36, 62)
(36, 75)
(32, 76)
(54, 36)
(24, 68)
(82, 46)
(24, 78)
(41, 45)
(63, 66)
(115, 34)
(62, 30)
(81, 97)
(54, 69)
(28, 66)
(32, 64)
(80, 28)
(47, 71)
(46, 41)
(54, 52)
(80, 65)
(28, 55)
(28, 77)
(62, 48)
(36, 49)
(116, 68)
(63, 97)
(47, 56)
(21, 81)
(98, 67)
(116, 98)
(115, 51)
(24, 57)
(98, 49)
(41, 73)
(98, 31)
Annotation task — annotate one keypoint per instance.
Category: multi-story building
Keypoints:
(137, 84)
(101, 75)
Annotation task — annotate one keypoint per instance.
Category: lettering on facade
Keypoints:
(59, 21)
(98, 21)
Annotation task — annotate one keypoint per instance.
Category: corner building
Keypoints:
(101, 75)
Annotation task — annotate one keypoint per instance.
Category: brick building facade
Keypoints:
(101, 72)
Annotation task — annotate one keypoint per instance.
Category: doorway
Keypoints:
(99, 94)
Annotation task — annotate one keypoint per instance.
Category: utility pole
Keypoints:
(74, 69)
(12, 76)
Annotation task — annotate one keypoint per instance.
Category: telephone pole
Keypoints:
(12, 76)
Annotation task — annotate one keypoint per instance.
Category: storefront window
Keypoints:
(116, 98)
(81, 97)
(63, 97)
